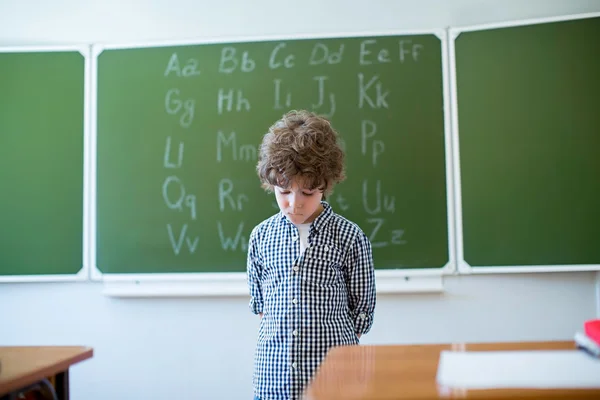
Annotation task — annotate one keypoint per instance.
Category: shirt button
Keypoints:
(295, 301)
(295, 238)
(296, 268)
(295, 333)
(362, 316)
(326, 248)
(294, 365)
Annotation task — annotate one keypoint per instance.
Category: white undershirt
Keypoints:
(303, 231)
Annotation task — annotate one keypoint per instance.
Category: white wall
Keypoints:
(115, 20)
(202, 348)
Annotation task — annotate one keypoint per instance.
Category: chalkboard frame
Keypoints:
(84, 273)
(226, 283)
(463, 267)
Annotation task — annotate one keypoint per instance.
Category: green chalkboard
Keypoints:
(529, 135)
(41, 162)
(178, 129)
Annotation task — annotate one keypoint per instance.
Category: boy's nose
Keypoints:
(294, 203)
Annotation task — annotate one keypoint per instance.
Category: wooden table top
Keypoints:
(397, 372)
(22, 366)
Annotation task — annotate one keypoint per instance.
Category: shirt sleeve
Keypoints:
(361, 284)
(254, 273)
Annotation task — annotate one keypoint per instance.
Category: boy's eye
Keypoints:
(308, 194)
(284, 191)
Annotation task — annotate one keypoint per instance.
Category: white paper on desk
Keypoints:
(518, 369)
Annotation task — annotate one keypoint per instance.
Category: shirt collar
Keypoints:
(320, 221)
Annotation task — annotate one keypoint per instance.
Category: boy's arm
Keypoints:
(361, 284)
(254, 272)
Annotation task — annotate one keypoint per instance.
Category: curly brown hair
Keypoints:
(301, 145)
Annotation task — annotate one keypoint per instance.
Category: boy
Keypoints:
(310, 271)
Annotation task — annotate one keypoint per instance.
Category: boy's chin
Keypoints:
(296, 219)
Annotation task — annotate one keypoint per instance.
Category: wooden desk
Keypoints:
(409, 372)
(24, 366)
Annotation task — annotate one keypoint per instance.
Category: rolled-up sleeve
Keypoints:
(361, 284)
(254, 273)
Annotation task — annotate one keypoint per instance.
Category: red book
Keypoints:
(592, 329)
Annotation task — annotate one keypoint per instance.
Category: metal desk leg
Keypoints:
(62, 385)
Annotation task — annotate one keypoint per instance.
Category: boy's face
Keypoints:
(299, 205)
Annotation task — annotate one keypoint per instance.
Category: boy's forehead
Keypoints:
(299, 182)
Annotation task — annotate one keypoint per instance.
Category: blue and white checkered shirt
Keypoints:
(310, 302)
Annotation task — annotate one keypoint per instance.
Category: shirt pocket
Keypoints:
(322, 266)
